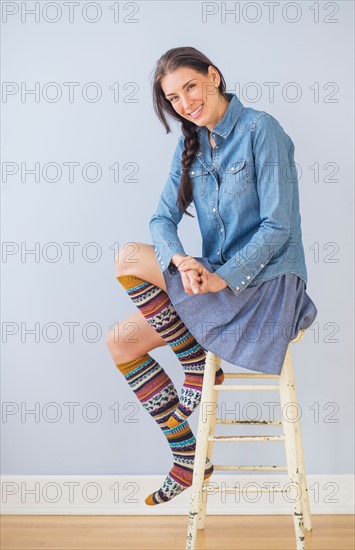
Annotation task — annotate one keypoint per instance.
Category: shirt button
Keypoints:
(237, 288)
(248, 276)
(213, 210)
(192, 172)
(218, 253)
(261, 265)
(222, 229)
(243, 283)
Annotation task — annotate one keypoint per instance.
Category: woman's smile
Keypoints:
(197, 112)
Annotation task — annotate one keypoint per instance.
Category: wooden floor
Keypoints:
(169, 533)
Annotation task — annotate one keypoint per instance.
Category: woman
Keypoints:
(245, 297)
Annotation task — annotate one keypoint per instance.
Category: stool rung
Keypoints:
(248, 422)
(249, 375)
(230, 438)
(238, 490)
(251, 468)
(230, 387)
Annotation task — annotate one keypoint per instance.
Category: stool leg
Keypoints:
(300, 457)
(201, 448)
(303, 482)
(291, 431)
(212, 414)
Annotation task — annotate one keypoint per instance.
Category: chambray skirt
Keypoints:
(251, 330)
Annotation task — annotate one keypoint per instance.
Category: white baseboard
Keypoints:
(125, 494)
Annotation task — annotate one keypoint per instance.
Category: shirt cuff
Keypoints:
(236, 276)
(164, 254)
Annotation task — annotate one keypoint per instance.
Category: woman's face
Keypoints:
(195, 96)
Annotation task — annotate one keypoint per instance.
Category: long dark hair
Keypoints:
(167, 63)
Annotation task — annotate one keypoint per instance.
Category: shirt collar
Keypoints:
(229, 119)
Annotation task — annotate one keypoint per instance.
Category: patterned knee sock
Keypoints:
(160, 313)
(158, 395)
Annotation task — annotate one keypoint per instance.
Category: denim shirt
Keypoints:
(245, 192)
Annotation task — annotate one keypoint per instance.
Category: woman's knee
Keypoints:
(115, 346)
(128, 257)
(132, 338)
(139, 259)
(111, 342)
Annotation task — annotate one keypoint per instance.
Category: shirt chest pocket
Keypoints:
(198, 177)
(237, 179)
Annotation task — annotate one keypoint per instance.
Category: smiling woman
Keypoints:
(198, 99)
(245, 298)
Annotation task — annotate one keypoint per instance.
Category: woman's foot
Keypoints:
(171, 487)
(183, 445)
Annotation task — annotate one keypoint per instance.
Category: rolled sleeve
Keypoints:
(164, 223)
(276, 176)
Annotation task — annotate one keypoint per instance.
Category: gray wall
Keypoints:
(52, 288)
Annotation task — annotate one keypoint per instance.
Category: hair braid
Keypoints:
(191, 146)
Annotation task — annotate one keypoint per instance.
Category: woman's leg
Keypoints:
(159, 397)
(145, 285)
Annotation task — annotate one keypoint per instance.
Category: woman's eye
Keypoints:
(189, 86)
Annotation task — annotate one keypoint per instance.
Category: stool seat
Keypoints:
(206, 439)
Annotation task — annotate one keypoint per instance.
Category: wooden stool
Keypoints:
(205, 440)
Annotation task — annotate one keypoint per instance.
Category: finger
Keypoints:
(193, 282)
(185, 265)
(186, 283)
(204, 282)
(195, 288)
(186, 259)
(190, 265)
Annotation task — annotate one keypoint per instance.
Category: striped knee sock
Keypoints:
(160, 313)
(158, 395)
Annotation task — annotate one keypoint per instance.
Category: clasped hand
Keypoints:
(196, 279)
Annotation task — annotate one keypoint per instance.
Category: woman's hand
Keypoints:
(196, 279)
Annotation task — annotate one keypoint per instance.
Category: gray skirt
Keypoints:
(251, 330)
